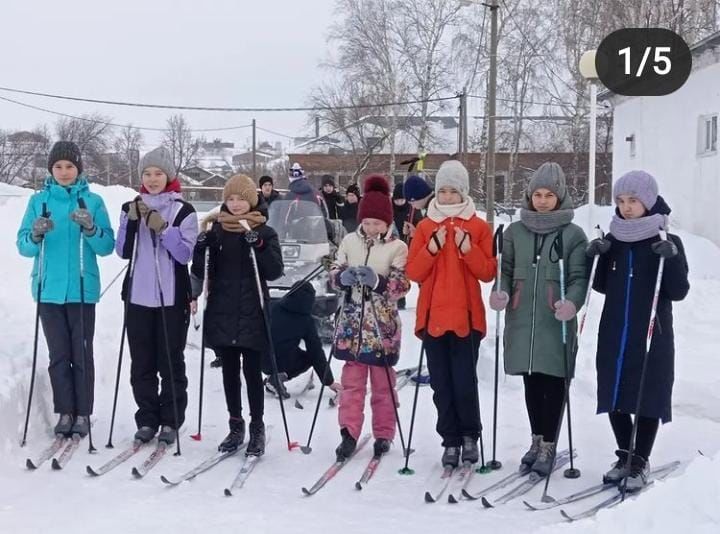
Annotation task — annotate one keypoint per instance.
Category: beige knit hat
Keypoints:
(241, 185)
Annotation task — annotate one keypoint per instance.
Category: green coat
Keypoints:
(533, 336)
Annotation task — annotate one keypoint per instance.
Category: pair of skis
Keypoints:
(335, 468)
(68, 446)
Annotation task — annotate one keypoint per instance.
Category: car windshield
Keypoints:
(298, 221)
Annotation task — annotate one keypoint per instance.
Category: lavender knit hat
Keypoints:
(638, 184)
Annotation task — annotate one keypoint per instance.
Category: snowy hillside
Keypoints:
(271, 501)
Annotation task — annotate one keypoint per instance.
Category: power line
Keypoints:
(276, 133)
(144, 128)
(211, 108)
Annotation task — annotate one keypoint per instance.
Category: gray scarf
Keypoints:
(546, 223)
(633, 230)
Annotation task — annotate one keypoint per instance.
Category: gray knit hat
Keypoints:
(160, 158)
(638, 184)
(549, 176)
(453, 174)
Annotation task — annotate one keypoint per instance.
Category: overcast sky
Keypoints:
(211, 52)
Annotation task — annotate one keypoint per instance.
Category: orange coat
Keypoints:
(451, 277)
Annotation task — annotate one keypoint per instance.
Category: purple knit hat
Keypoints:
(638, 184)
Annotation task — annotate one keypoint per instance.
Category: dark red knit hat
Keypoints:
(375, 203)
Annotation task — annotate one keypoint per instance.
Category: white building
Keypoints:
(674, 138)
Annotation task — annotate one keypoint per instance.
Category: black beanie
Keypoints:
(68, 151)
(265, 180)
(327, 180)
(398, 192)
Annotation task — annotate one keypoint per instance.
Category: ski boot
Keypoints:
(470, 451)
(81, 426)
(639, 473)
(236, 436)
(166, 435)
(451, 457)
(381, 446)
(545, 458)
(64, 425)
(274, 387)
(347, 446)
(531, 455)
(256, 445)
(145, 434)
(618, 471)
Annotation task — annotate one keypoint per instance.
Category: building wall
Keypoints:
(665, 132)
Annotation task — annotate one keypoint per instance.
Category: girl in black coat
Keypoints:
(234, 321)
(626, 274)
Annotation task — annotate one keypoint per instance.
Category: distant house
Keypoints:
(245, 159)
(675, 138)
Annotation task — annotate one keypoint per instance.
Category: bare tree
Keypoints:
(127, 144)
(21, 153)
(93, 135)
(178, 139)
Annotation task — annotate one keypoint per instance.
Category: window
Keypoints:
(707, 134)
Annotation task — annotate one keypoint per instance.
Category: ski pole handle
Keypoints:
(599, 234)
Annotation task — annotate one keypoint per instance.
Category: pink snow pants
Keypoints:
(352, 399)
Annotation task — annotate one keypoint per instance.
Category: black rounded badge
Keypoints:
(643, 62)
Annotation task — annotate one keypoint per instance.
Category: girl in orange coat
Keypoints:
(451, 251)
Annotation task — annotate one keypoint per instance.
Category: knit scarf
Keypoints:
(548, 222)
(439, 212)
(231, 223)
(633, 230)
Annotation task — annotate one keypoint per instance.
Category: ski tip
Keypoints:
(298, 405)
(90, 471)
(166, 480)
(30, 465)
(567, 516)
(529, 506)
(196, 437)
(306, 492)
(227, 492)
(56, 465)
(428, 497)
(466, 494)
(136, 473)
(452, 499)
(358, 486)
(486, 503)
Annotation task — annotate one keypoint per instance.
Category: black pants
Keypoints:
(544, 397)
(73, 390)
(452, 362)
(146, 339)
(646, 432)
(252, 369)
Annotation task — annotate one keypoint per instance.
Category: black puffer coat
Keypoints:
(626, 274)
(233, 317)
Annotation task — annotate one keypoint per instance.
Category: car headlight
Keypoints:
(290, 252)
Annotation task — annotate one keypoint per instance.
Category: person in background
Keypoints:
(333, 200)
(267, 188)
(349, 210)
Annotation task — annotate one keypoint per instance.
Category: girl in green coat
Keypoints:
(530, 294)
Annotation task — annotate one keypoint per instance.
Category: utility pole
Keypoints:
(317, 127)
(465, 127)
(492, 86)
(254, 150)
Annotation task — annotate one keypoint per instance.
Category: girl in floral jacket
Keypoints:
(370, 269)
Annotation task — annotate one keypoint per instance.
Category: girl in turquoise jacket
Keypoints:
(58, 219)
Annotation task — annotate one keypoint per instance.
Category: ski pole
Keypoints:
(86, 366)
(266, 320)
(494, 464)
(571, 472)
(131, 270)
(41, 262)
(112, 282)
(198, 436)
(163, 318)
(387, 373)
(643, 372)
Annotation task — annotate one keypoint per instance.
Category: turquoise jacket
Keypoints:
(61, 264)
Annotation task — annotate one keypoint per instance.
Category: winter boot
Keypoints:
(347, 446)
(81, 426)
(618, 470)
(64, 425)
(145, 434)
(167, 435)
(451, 457)
(545, 458)
(256, 445)
(217, 362)
(531, 455)
(470, 450)
(639, 473)
(381, 446)
(236, 436)
(273, 386)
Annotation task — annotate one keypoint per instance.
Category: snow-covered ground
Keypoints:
(271, 501)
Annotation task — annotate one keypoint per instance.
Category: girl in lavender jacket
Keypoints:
(158, 231)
